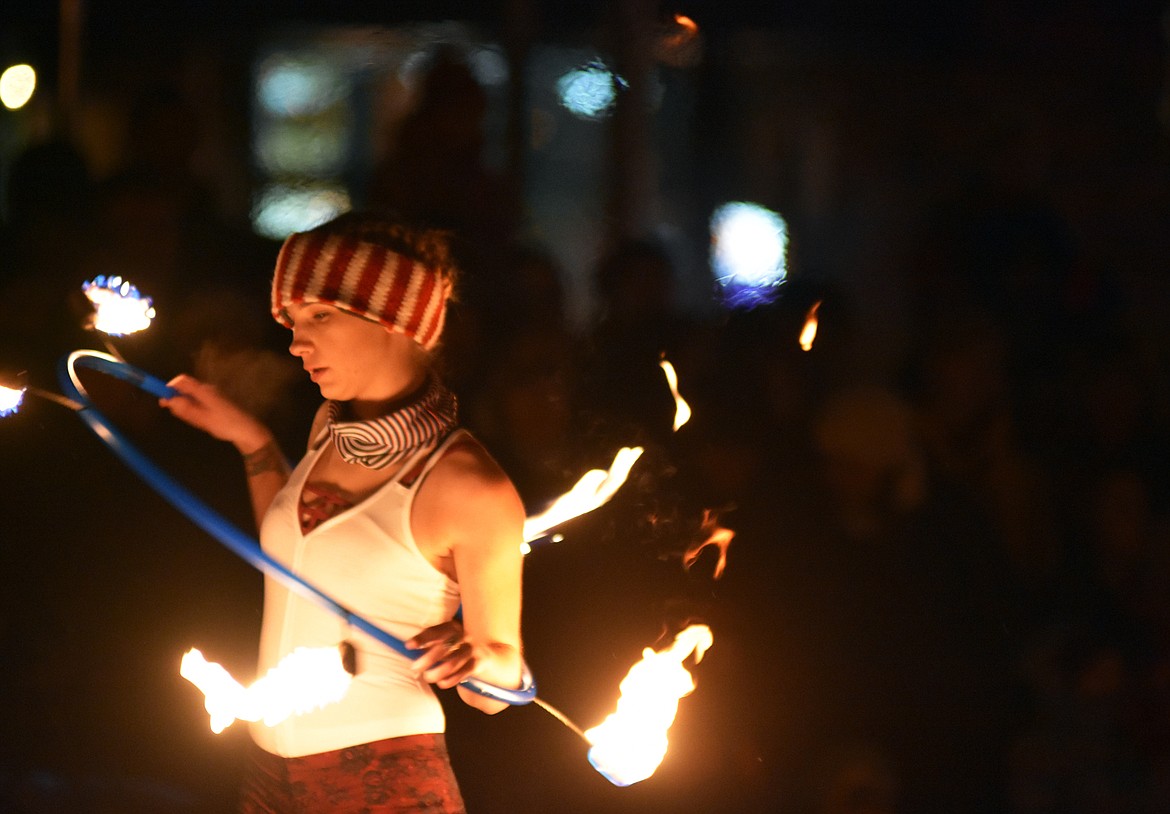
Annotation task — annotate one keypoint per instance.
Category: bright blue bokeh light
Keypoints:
(297, 87)
(749, 253)
(590, 91)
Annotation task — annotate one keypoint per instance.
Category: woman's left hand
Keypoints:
(447, 658)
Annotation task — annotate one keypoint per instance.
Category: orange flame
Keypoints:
(809, 333)
(684, 30)
(593, 489)
(306, 679)
(717, 536)
(682, 410)
(630, 744)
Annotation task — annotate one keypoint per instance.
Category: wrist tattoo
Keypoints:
(266, 459)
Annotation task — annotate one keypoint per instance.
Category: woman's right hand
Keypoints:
(202, 406)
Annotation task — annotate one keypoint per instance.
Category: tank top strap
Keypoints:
(320, 439)
(411, 474)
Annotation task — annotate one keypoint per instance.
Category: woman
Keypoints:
(394, 511)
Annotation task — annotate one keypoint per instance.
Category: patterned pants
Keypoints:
(395, 775)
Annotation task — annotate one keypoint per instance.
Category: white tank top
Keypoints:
(365, 558)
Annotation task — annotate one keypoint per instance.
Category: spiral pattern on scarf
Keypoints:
(392, 438)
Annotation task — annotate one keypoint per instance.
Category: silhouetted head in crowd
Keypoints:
(635, 282)
(47, 181)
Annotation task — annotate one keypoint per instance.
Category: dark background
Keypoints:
(948, 589)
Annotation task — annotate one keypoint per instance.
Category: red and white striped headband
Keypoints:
(363, 278)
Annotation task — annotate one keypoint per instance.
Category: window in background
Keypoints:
(325, 105)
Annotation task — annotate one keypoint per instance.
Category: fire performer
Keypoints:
(394, 510)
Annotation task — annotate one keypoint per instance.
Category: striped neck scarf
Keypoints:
(391, 439)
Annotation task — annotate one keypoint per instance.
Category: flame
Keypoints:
(717, 536)
(593, 490)
(629, 744)
(306, 679)
(119, 308)
(10, 400)
(682, 32)
(686, 23)
(682, 410)
(809, 332)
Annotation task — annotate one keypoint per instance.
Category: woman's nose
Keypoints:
(298, 345)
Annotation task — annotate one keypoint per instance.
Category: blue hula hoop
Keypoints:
(241, 544)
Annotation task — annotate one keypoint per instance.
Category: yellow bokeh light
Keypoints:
(17, 84)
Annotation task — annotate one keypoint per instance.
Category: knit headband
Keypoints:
(364, 278)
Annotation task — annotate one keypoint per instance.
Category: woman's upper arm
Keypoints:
(468, 506)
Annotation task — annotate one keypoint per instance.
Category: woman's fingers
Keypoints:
(456, 665)
(443, 633)
(447, 658)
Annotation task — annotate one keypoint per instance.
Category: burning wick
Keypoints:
(682, 410)
(593, 489)
(119, 308)
(629, 745)
(11, 399)
(306, 679)
(809, 332)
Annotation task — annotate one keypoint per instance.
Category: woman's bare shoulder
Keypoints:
(467, 474)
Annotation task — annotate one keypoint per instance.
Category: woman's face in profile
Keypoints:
(351, 358)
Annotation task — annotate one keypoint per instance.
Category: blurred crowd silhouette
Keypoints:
(950, 585)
